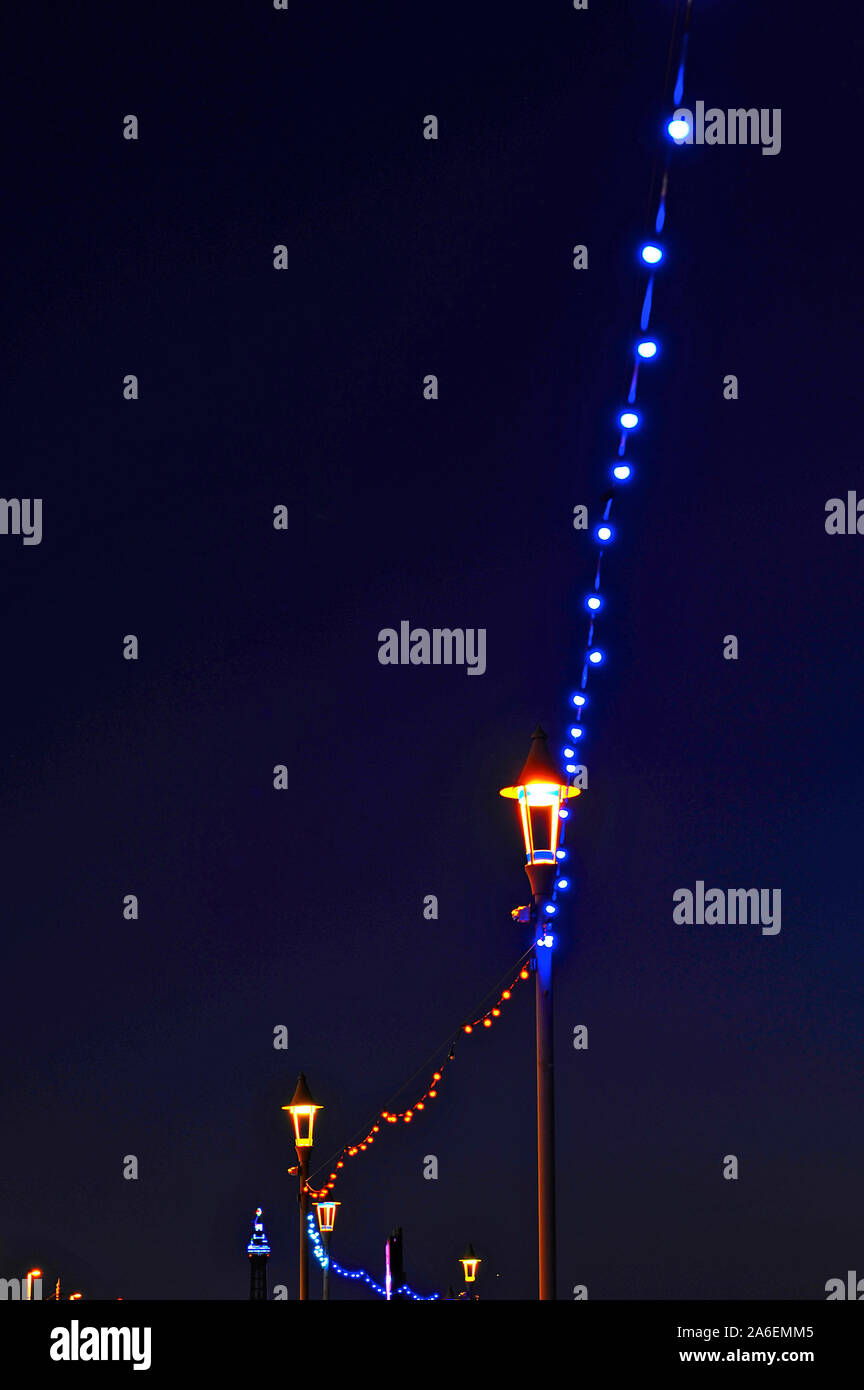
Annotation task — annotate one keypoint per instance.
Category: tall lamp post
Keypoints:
(302, 1110)
(542, 797)
(326, 1212)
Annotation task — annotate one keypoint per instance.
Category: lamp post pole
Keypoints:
(541, 796)
(303, 1156)
(325, 1292)
(545, 1122)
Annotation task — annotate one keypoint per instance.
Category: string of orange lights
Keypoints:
(484, 1020)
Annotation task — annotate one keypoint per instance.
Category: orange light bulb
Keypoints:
(506, 994)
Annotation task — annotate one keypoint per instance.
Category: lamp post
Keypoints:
(469, 1262)
(326, 1213)
(542, 797)
(302, 1109)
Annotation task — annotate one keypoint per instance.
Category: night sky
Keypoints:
(259, 647)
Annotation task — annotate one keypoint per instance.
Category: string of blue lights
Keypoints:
(646, 349)
(322, 1257)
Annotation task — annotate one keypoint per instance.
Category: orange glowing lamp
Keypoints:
(302, 1110)
(542, 798)
(326, 1215)
(469, 1263)
(31, 1275)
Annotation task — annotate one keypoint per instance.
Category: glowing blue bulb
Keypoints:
(594, 603)
(647, 348)
(563, 813)
(563, 883)
(595, 657)
(651, 254)
(569, 752)
(622, 472)
(678, 128)
(561, 854)
(579, 699)
(576, 731)
(628, 419)
(571, 768)
(603, 533)
(551, 909)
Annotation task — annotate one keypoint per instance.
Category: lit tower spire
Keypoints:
(258, 1251)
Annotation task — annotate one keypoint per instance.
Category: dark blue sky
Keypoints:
(257, 648)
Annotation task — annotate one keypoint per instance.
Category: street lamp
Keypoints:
(326, 1213)
(31, 1275)
(542, 797)
(303, 1109)
(469, 1262)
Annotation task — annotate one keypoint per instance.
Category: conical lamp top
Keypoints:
(539, 769)
(302, 1095)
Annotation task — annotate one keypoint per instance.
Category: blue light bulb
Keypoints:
(678, 129)
(622, 472)
(579, 699)
(647, 348)
(604, 533)
(563, 883)
(628, 419)
(551, 909)
(594, 602)
(595, 657)
(577, 731)
(651, 254)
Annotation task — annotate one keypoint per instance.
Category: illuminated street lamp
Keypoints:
(542, 797)
(31, 1275)
(326, 1213)
(469, 1262)
(303, 1110)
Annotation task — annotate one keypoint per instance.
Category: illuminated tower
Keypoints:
(259, 1253)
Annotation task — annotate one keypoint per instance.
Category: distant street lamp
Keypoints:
(542, 798)
(303, 1109)
(31, 1275)
(469, 1262)
(326, 1213)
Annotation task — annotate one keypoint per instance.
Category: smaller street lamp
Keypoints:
(469, 1262)
(326, 1213)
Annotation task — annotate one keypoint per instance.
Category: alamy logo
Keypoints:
(21, 517)
(738, 126)
(852, 1289)
(744, 906)
(76, 1343)
(21, 1289)
(442, 646)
